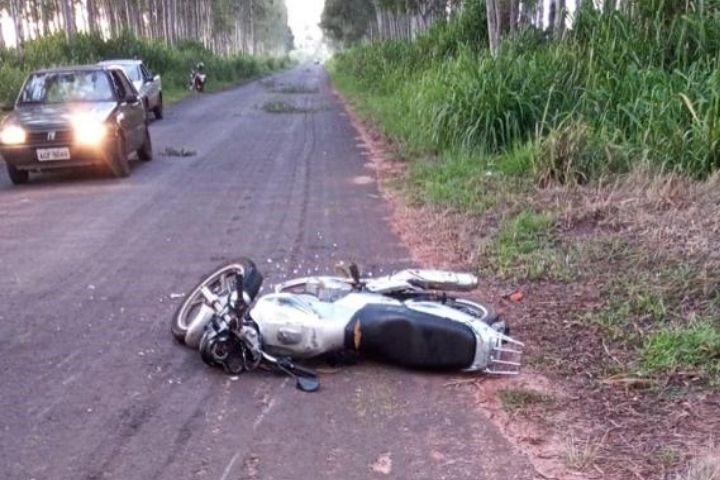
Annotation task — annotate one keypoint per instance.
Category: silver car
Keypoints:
(149, 86)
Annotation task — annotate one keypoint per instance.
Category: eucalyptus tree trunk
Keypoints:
(493, 27)
(252, 28)
(92, 15)
(561, 16)
(34, 7)
(16, 14)
(69, 18)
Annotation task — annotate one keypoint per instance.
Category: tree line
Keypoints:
(346, 22)
(223, 26)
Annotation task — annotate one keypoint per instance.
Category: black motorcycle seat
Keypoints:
(411, 338)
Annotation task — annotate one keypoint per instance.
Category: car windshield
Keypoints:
(132, 71)
(63, 87)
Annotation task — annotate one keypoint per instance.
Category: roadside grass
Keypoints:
(655, 309)
(581, 454)
(525, 248)
(517, 399)
(694, 347)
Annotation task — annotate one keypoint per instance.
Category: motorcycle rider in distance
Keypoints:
(198, 77)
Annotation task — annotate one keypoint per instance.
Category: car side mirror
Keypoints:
(132, 98)
(156, 78)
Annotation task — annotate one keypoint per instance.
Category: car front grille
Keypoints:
(51, 137)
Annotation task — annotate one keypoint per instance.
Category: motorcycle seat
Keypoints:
(411, 338)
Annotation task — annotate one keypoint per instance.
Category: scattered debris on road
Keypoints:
(179, 152)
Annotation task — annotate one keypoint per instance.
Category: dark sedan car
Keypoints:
(74, 116)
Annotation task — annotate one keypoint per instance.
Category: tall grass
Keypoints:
(641, 89)
(173, 64)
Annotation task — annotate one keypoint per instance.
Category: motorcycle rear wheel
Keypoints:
(191, 317)
(482, 312)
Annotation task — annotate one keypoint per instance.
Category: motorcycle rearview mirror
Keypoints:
(307, 384)
(354, 272)
(241, 301)
(305, 379)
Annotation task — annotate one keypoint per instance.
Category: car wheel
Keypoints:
(145, 152)
(17, 177)
(118, 159)
(158, 110)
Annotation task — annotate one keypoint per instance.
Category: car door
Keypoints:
(131, 115)
(153, 87)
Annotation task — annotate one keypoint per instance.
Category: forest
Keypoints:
(236, 39)
(223, 26)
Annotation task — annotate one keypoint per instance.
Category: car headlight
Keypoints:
(88, 130)
(13, 135)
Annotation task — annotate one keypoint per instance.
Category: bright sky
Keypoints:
(304, 17)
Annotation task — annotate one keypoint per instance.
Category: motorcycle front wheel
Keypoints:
(193, 315)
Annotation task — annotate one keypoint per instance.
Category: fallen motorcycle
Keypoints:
(407, 318)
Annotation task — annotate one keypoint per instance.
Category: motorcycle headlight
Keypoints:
(13, 135)
(89, 131)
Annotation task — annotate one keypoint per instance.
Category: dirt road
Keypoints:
(92, 386)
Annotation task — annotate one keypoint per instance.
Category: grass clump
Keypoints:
(516, 399)
(691, 347)
(581, 454)
(525, 248)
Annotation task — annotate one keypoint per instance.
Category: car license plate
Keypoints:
(51, 154)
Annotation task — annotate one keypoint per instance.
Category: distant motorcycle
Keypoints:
(406, 318)
(197, 78)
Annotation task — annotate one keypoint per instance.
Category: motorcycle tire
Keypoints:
(252, 281)
(481, 312)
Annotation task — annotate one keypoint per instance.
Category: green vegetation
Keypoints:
(614, 92)
(525, 248)
(173, 64)
(693, 347)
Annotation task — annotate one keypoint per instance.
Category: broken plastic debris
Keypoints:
(177, 295)
(516, 295)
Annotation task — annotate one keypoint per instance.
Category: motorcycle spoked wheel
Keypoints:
(186, 326)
